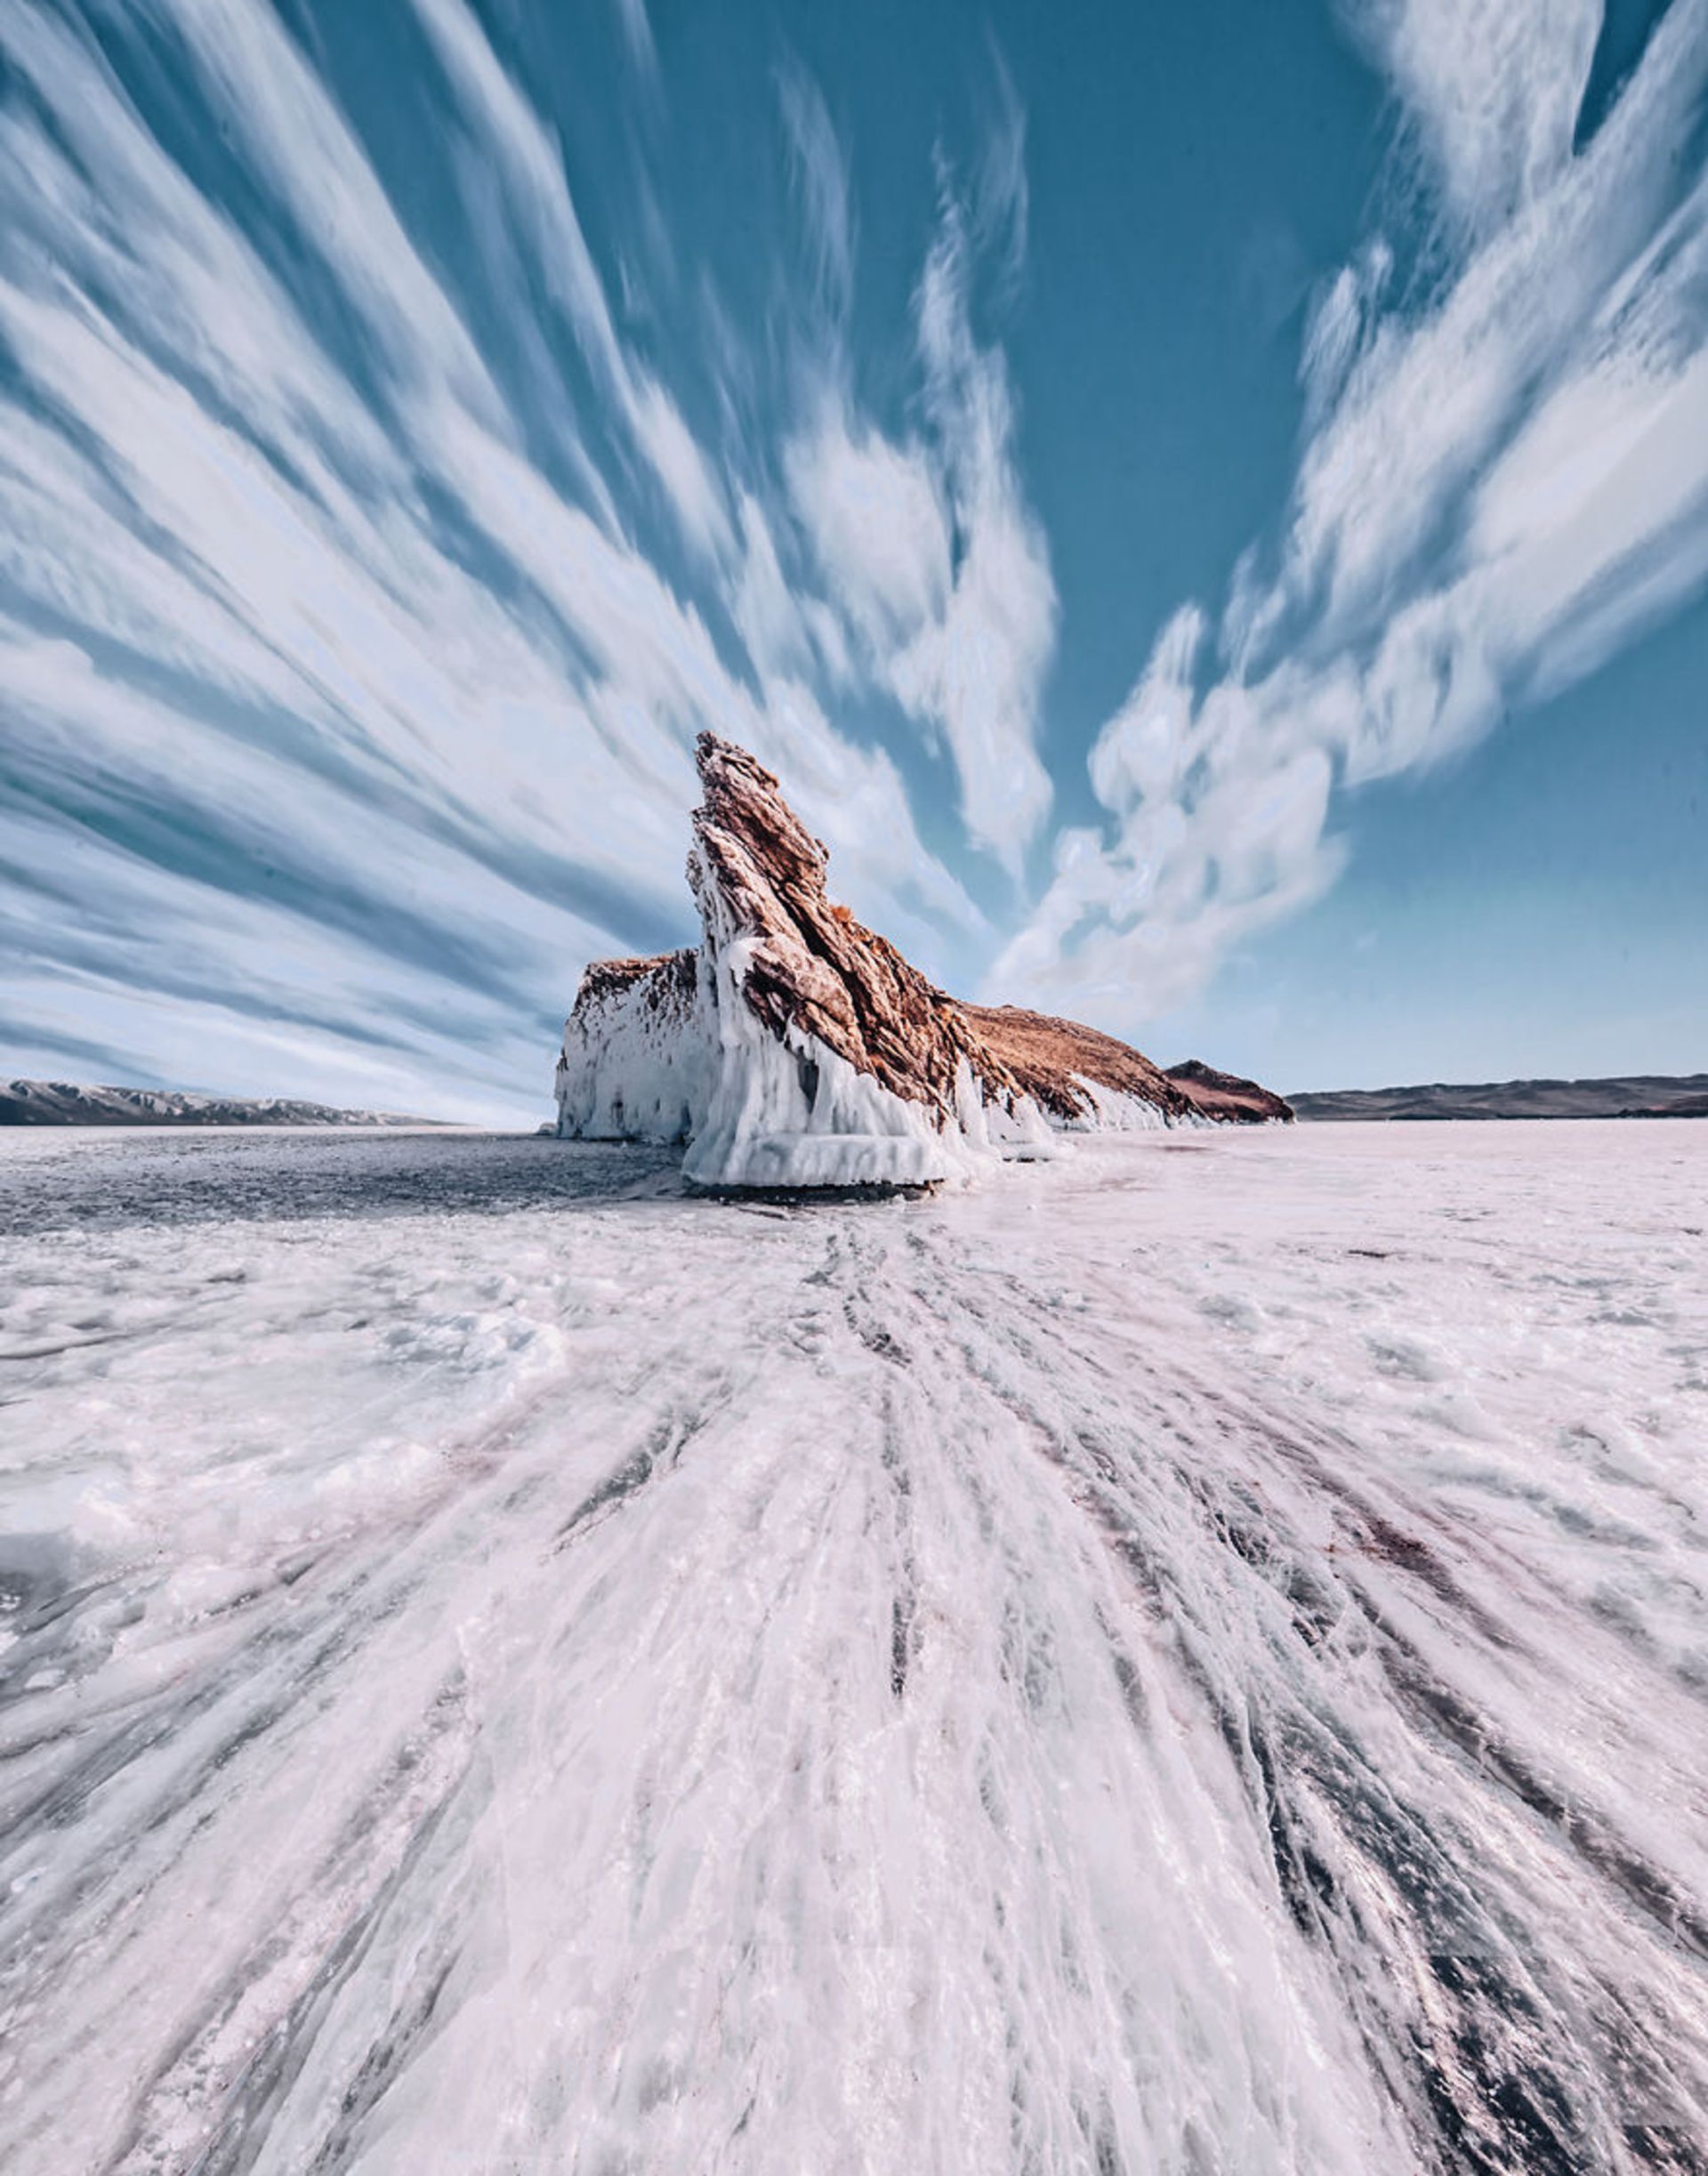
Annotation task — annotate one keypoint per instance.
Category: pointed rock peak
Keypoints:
(1225, 1095)
(742, 806)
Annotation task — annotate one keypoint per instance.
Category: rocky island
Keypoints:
(792, 1047)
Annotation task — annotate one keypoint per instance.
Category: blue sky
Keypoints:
(1206, 508)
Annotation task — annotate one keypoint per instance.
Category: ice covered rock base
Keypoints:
(795, 1048)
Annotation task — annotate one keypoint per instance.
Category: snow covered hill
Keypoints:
(30, 1102)
(1191, 1660)
(795, 1048)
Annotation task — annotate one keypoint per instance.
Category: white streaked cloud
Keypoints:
(873, 517)
(1500, 486)
(820, 175)
(1493, 92)
(928, 549)
(513, 141)
(1002, 195)
(976, 668)
(637, 33)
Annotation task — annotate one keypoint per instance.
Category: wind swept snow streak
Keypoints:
(1191, 1662)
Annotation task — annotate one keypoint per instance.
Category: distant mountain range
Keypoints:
(1636, 1095)
(64, 1103)
(1633, 1095)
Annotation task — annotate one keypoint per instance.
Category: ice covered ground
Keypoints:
(1192, 1658)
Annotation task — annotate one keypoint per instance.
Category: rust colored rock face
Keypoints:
(1051, 1059)
(812, 966)
(1226, 1096)
(795, 1047)
(664, 977)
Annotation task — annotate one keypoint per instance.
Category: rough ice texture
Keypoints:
(1191, 1660)
(797, 1048)
(639, 1059)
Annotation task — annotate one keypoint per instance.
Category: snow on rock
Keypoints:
(797, 1048)
(639, 1056)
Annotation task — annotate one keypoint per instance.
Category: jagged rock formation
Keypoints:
(796, 1048)
(1226, 1096)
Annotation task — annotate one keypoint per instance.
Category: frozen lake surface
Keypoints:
(1192, 1658)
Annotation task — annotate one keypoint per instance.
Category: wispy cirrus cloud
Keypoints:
(1492, 93)
(513, 142)
(1505, 479)
(925, 544)
(637, 32)
(976, 668)
(821, 182)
